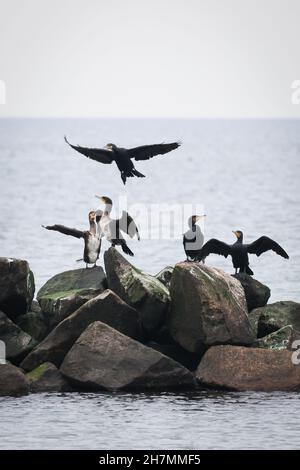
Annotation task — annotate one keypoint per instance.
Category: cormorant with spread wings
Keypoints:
(239, 251)
(123, 156)
(111, 228)
(91, 237)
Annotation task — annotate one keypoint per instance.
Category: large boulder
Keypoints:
(103, 358)
(140, 290)
(165, 275)
(18, 343)
(66, 292)
(176, 352)
(34, 324)
(47, 378)
(208, 307)
(280, 339)
(16, 287)
(12, 381)
(273, 317)
(106, 307)
(240, 368)
(257, 294)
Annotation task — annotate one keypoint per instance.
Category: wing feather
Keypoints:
(65, 230)
(148, 151)
(263, 244)
(100, 155)
(214, 246)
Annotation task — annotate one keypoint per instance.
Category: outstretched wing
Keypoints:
(148, 151)
(263, 244)
(214, 246)
(100, 155)
(65, 230)
(127, 225)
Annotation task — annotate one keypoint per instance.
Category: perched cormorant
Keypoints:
(92, 237)
(111, 228)
(123, 156)
(193, 239)
(239, 251)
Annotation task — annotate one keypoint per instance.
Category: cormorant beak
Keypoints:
(198, 217)
(100, 197)
(236, 233)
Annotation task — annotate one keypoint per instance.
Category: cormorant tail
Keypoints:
(126, 249)
(137, 173)
(123, 176)
(78, 260)
(249, 271)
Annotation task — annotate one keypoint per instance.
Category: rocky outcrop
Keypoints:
(240, 368)
(12, 381)
(140, 290)
(164, 276)
(47, 378)
(280, 339)
(208, 307)
(257, 294)
(106, 307)
(16, 287)
(103, 358)
(34, 324)
(18, 343)
(275, 316)
(67, 291)
(178, 354)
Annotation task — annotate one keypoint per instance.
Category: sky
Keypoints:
(150, 58)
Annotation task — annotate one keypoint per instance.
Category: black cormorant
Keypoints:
(123, 156)
(111, 228)
(92, 237)
(193, 239)
(239, 251)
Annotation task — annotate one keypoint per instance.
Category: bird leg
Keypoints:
(95, 264)
(236, 271)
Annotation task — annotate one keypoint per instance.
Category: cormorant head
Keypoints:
(106, 200)
(238, 234)
(194, 219)
(92, 216)
(110, 146)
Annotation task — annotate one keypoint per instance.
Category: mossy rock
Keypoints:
(280, 339)
(140, 290)
(273, 317)
(64, 293)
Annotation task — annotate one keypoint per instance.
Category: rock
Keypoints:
(273, 317)
(103, 358)
(208, 307)
(164, 276)
(47, 378)
(280, 339)
(16, 287)
(176, 352)
(140, 290)
(34, 324)
(18, 343)
(257, 294)
(67, 291)
(240, 368)
(12, 381)
(106, 307)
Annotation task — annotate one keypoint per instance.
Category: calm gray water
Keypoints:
(244, 173)
(203, 420)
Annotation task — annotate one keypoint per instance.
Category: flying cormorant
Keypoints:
(111, 228)
(193, 239)
(92, 237)
(239, 251)
(123, 156)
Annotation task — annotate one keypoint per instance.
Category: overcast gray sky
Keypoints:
(149, 58)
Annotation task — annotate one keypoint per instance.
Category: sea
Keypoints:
(242, 174)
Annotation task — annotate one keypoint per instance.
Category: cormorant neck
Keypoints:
(93, 227)
(240, 239)
(107, 209)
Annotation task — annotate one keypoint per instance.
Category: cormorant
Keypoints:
(123, 156)
(193, 239)
(92, 237)
(239, 251)
(111, 228)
